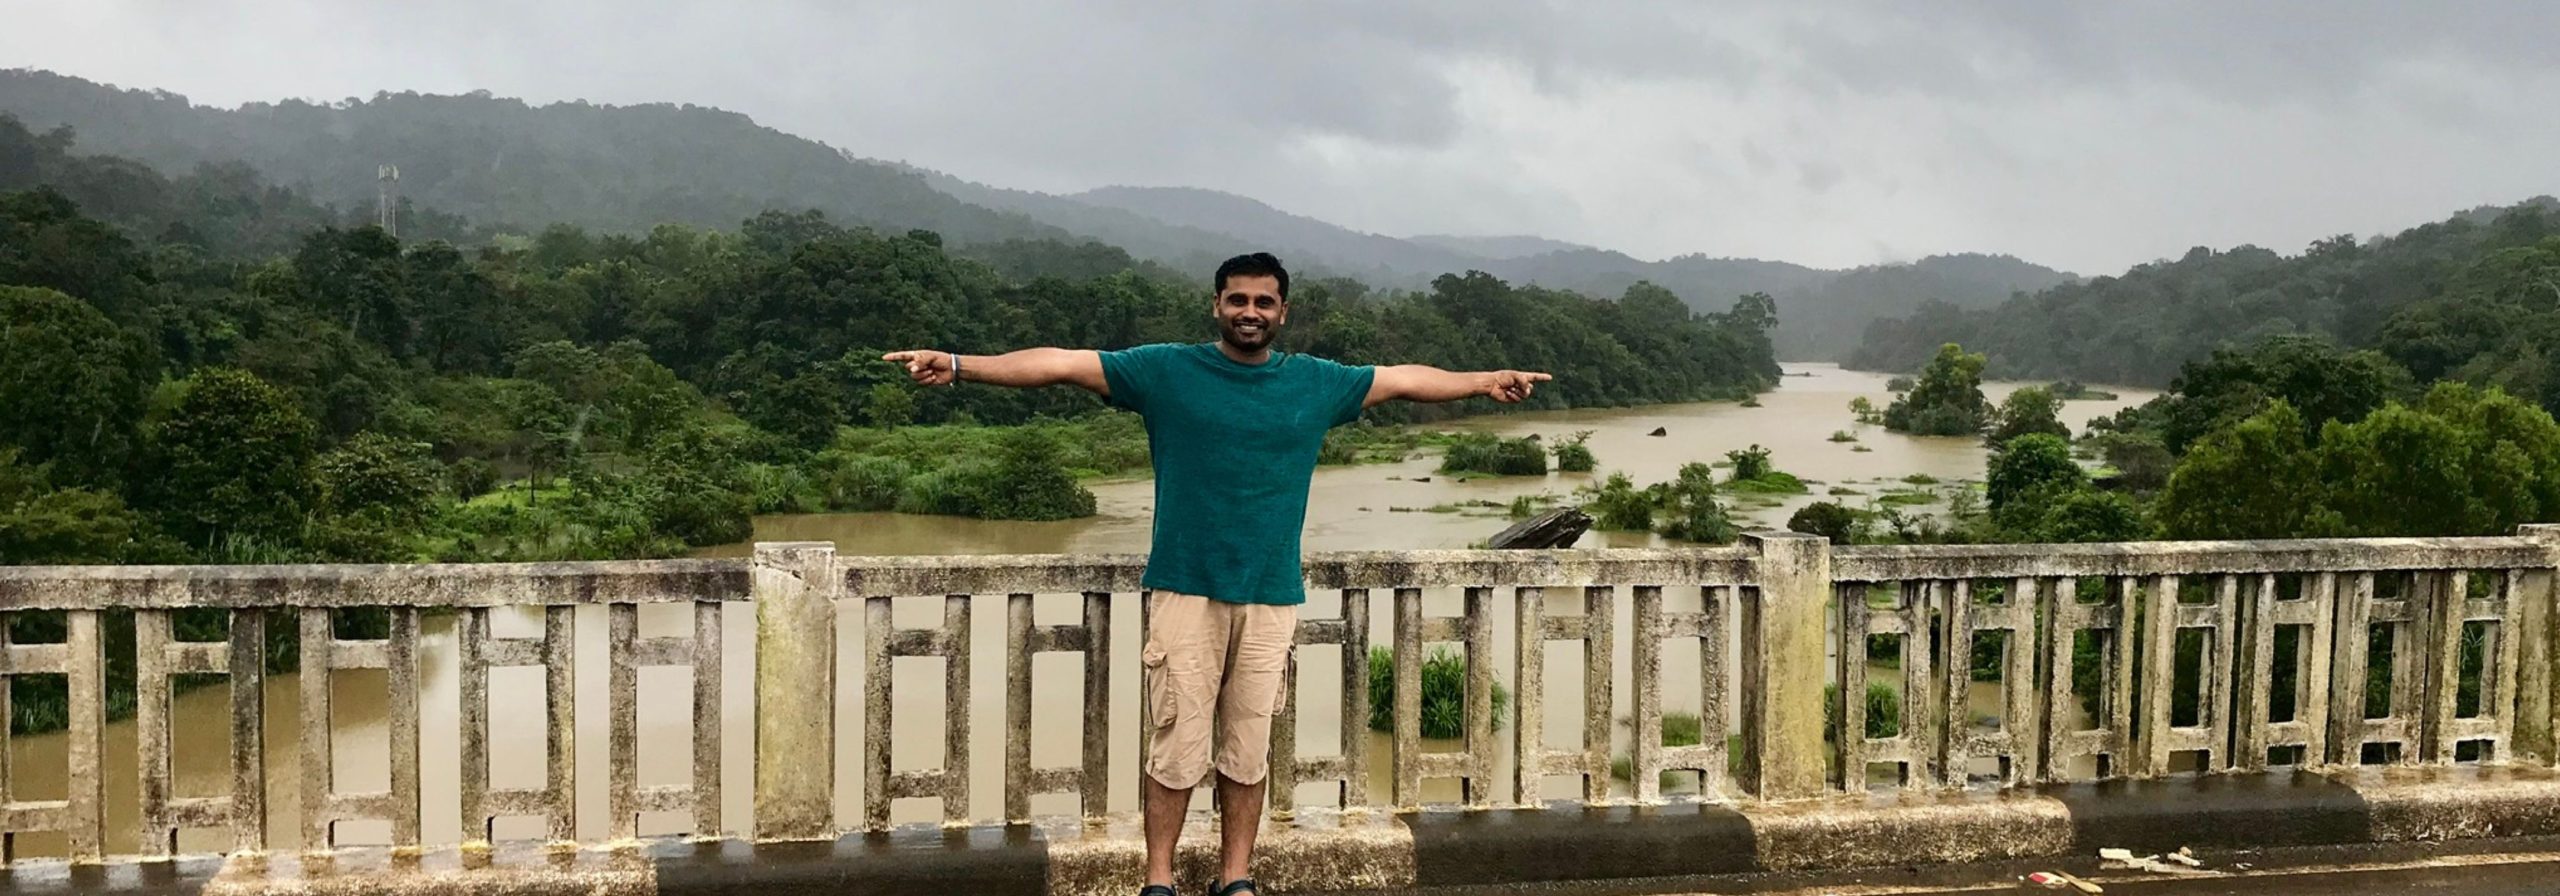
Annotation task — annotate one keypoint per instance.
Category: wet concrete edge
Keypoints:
(182, 877)
(2289, 808)
(1559, 844)
(993, 861)
(1569, 842)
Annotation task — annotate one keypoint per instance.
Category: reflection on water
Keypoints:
(1349, 508)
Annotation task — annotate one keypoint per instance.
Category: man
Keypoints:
(1234, 428)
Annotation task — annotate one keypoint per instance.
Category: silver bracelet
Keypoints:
(955, 369)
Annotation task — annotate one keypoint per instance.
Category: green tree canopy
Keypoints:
(2086, 516)
(2321, 381)
(232, 457)
(2032, 409)
(1947, 400)
(375, 472)
(1825, 518)
(72, 386)
(40, 524)
(2257, 479)
(2027, 476)
(2462, 462)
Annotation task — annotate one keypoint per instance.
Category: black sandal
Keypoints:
(1157, 890)
(1231, 888)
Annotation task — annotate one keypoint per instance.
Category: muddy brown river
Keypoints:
(1381, 506)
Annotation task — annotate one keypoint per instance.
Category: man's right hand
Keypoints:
(926, 367)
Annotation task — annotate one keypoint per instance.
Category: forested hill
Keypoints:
(2436, 298)
(211, 368)
(1820, 312)
(502, 161)
(508, 165)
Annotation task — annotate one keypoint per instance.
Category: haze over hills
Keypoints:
(1514, 246)
(505, 163)
(1821, 313)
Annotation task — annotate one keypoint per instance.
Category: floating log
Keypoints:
(1558, 528)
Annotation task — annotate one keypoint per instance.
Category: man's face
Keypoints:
(1249, 310)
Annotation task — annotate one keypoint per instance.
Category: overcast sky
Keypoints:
(1828, 134)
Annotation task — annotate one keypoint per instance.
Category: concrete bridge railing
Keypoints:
(1775, 620)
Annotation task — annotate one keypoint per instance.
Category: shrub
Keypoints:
(1488, 453)
(1825, 518)
(1338, 449)
(1444, 694)
(1749, 463)
(472, 477)
(1617, 504)
(950, 491)
(858, 483)
(1030, 483)
(776, 488)
(1702, 520)
(1573, 455)
(1884, 711)
(374, 472)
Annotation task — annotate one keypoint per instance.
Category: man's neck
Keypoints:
(1253, 358)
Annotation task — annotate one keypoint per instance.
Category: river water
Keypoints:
(1377, 506)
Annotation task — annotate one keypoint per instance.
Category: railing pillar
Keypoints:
(2537, 624)
(1782, 666)
(795, 591)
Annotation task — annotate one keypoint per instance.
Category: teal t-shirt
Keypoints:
(1235, 448)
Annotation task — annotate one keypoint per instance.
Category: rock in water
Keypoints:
(1660, 431)
(1558, 528)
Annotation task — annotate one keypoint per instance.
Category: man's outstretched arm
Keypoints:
(1418, 382)
(1025, 369)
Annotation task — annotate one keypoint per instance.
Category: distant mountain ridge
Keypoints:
(504, 162)
(1821, 313)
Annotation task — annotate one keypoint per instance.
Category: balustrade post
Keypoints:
(2537, 624)
(795, 591)
(1782, 666)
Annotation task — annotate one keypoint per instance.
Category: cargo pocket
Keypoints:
(1288, 683)
(1158, 685)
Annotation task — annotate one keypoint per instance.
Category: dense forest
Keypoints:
(2464, 297)
(2397, 386)
(506, 164)
(302, 389)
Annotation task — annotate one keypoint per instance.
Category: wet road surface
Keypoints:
(2512, 867)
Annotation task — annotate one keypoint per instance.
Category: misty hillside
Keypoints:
(1516, 246)
(2467, 287)
(502, 161)
(1139, 235)
(1384, 260)
(1821, 313)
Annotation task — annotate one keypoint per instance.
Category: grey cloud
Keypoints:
(1818, 132)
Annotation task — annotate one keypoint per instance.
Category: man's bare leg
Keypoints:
(1239, 819)
(1164, 814)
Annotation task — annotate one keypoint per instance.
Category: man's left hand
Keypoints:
(1511, 386)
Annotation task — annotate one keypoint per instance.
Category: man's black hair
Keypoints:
(1259, 264)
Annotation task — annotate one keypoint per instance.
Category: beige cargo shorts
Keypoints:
(1214, 671)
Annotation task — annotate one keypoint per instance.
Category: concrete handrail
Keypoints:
(1777, 618)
